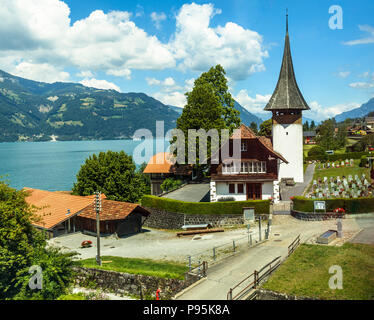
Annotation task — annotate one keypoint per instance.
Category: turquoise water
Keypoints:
(52, 165)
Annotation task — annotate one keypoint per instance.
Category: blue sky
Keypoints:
(159, 47)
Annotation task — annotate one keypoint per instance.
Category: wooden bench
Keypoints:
(192, 232)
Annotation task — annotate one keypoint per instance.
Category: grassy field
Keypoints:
(342, 171)
(306, 272)
(148, 267)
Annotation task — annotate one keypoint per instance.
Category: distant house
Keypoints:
(253, 176)
(309, 137)
(370, 122)
(61, 213)
(160, 167)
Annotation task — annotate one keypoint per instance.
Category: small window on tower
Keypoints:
(286, 133)
(244, 146)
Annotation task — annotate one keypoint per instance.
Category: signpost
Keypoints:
(97, 204)
(248, 214)
(319, 205)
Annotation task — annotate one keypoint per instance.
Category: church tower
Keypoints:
(287, 104)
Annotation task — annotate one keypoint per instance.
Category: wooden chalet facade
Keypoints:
(252, 176)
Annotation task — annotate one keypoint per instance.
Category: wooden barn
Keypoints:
(60, 213)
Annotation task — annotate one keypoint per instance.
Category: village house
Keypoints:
(252, 176)
(160, 167)
(60, 213)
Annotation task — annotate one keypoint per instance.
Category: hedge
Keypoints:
(225, 207)
(340, 157)
(357, 205)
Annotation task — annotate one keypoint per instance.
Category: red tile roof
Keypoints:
(112, 210)
(52, 207)
(245, 133)
(159, 163)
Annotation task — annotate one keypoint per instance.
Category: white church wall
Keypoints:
(288, 141)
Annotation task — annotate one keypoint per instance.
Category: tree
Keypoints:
(209, 106)
(112, 173)
(306, 126)
(145, 178)
(253, 126)
(326, 135)
(266, 128)
(22, 246)
(312, 125)
(316, 151)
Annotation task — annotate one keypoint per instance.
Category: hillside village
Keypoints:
(168, 230)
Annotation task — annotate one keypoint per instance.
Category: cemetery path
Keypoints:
(299, 188)
(225, 275)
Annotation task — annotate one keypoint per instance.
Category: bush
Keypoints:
(338, 157)
(226, 207)
(170, 184)
(316, 151)
(364, 161)
(357, 205)
(226, 199)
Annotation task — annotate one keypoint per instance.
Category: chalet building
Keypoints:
(160, 167)
(60, 213)
(310, 137)
(252, 176)
(286, 105)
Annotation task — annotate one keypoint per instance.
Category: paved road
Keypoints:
(194, 192)
(225, 275)
(366, 235)
(299, 188)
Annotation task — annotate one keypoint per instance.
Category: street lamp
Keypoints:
(97, 203)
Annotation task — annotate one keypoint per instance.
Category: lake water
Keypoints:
(53, 165)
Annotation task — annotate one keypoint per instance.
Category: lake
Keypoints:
(53, 165)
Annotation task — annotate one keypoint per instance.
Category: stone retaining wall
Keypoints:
(125, 283)
(310, 216)
(262, 294)
(162, 219)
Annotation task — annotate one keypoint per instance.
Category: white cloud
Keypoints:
(254, 105)
(99, 84)
(343, 74)
(85, 74)
(168, 82)
(361, 85)
(40, 32)
(174, 98)
(157, 18)
(198, 46)
(369, 39)
(319, 112)
(40, 72)
(126, 73)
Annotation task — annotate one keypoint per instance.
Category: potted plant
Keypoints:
(86, 244)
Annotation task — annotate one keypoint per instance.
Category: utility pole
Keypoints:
(97, 204)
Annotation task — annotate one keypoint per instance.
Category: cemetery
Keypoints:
(340, 179)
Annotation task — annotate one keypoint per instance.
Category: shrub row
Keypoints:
(225, 207)
(357, 205)
(338, 157)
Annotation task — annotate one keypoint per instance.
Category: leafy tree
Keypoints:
(22, 246)
(112, 173)
(253, 126)
(170, 184)
(209, 106)
(316, 151)
(145, 178)
(306, 126)
(326, 135)
(266, 128)
(312, 125)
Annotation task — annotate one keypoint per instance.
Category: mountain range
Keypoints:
(358, 112)
(36, 111)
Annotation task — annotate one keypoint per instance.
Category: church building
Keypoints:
(287, 104)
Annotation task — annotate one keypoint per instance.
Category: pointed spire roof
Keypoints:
(287, 94)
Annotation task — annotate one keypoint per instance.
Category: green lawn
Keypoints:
(161, 269)
(342, 171)
(306, 272)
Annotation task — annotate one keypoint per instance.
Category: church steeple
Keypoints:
(287, 95)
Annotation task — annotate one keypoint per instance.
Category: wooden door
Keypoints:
(254, 191)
